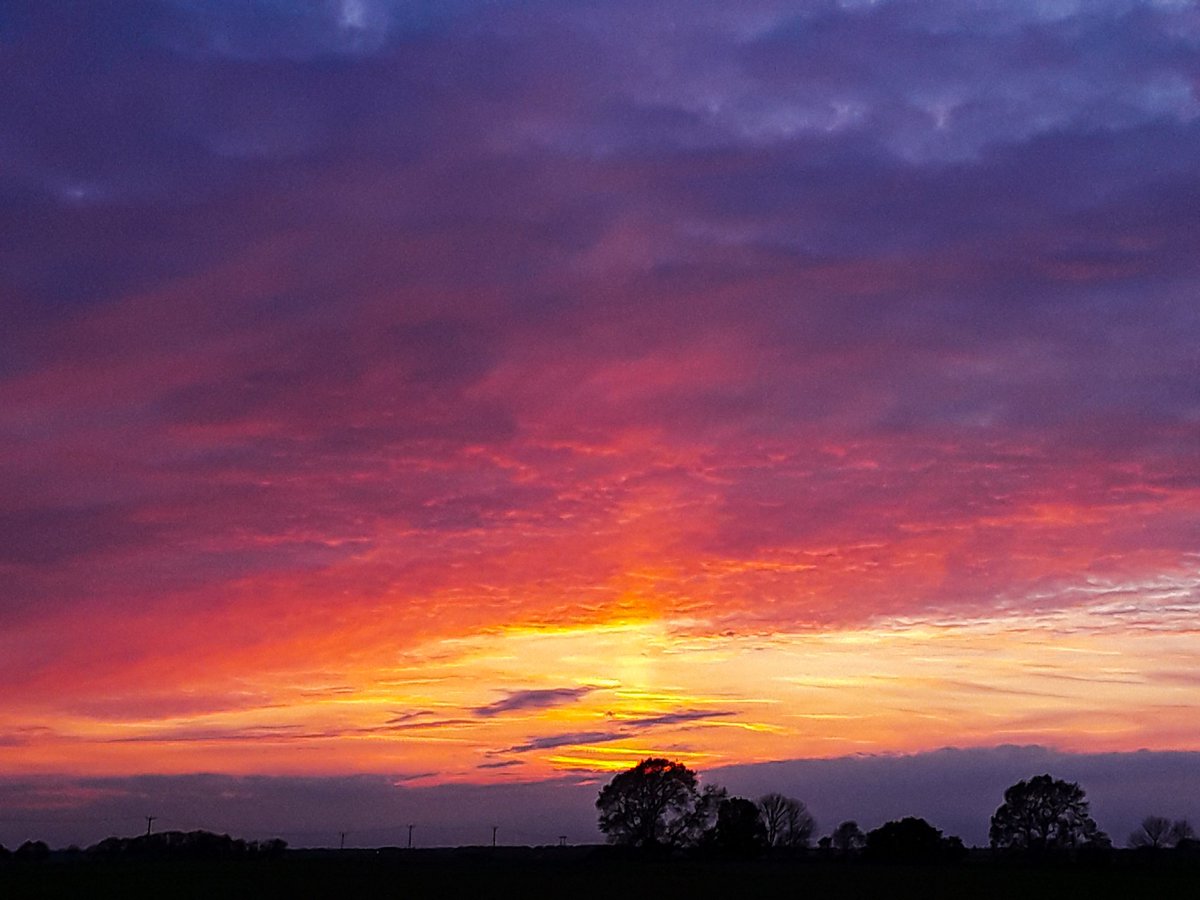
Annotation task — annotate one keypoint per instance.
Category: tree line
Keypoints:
(659, 805)
(162, 844)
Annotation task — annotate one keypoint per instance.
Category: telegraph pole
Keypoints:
(410, 828)
(494, 827)
(149, 822)
(342, 843)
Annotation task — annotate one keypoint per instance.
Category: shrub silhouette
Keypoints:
(911, 840)
(847, 837)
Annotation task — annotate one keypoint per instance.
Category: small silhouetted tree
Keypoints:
(1153, 833)
(1043, 814)
(848, 837)
(1157, 832)
(787, 821)
(1182, 832)
(703, 820)
(739, 830)
(657, 803)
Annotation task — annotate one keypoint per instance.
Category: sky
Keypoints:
(467, 400)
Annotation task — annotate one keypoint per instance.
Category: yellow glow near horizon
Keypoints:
(527, 702)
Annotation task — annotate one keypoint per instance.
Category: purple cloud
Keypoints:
(623, 729)
(533, 699)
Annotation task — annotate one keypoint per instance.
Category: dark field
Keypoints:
(482, 876)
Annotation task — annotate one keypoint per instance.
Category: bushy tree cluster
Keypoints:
(658, 804)
(912, 840)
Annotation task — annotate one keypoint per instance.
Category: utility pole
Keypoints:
(562, 840)
(149, 822)
(410, 828)
(494, 827)
(342, 843)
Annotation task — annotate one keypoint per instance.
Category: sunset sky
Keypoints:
(478, 396)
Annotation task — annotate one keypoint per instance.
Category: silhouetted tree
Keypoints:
(1157, 832)
(739, 830)
(848, 837)
(1042, 814)
(787, 821)
(911, 840)
(1153, 833)
(703, 819)
(657, 803)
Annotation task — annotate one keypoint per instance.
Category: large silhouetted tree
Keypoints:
(657, 803)
(787, 821)
(1044, 813)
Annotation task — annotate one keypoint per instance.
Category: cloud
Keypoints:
(533, 699)
(624, 728)
(676, 718)
(567, 739)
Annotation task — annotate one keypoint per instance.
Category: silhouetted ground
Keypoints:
(577, 875)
